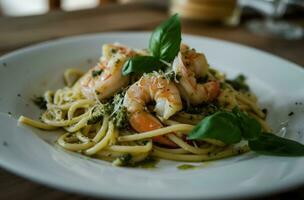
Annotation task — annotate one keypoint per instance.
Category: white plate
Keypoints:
(32, 154)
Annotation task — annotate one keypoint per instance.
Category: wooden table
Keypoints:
(20, 32)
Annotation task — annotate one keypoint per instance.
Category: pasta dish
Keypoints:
(138, 103)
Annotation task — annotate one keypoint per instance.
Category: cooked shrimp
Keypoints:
(163, 92)
(105, 79)
(191, 67)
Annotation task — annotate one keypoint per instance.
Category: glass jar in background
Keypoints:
(226, 11)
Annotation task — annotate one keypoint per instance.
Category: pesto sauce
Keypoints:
(186, 167)
(148, 163)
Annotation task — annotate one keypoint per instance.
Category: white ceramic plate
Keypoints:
(31, 153)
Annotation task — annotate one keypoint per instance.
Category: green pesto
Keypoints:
(148, 163)
(99, 112)
(239, 83)
(205, 108)
(186, 167)
(113, 108)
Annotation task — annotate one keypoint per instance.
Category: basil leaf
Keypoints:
(166, 38)
(141, 64)
(270, 144)
(223, 126)
(251, 128)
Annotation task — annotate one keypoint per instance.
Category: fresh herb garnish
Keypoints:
(270, 144)
(164, 45)
(165, 39)
(239, 83)
(250, 127)
(215, 127)
(40, 102)
(231, 127)
(142, 64)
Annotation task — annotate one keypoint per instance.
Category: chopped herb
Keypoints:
(96, 72)
(114, 109)
(99, 111)
(120, 118)
(9, 113)
(239, 83)
(40, 102)
(291, 113)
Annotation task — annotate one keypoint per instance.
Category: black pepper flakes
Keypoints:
(290, 114)
(5, 143)
(4, 64)
(19, 95)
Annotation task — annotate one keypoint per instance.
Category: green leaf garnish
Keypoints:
(164, 46)
(142, 64)
(270, 144)
(231, 127)
(223, 126)
(251, 128)
(166, 38)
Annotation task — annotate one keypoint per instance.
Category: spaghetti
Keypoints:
(94, 131)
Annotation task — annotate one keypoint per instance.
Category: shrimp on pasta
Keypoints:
(192, 67)
(168, 102)
(106, 78)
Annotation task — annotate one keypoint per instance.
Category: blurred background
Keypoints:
(270, 15)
